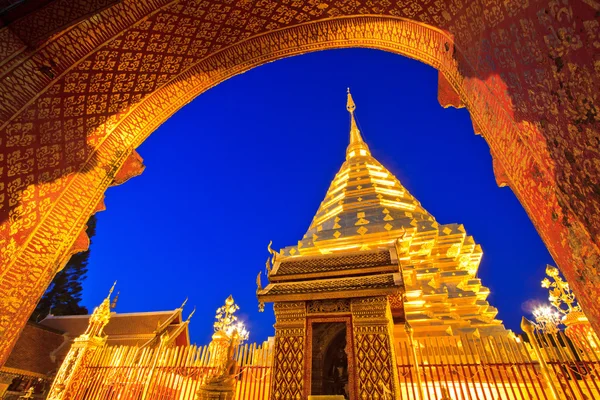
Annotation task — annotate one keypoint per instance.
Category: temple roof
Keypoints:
(330, 265)
(124, 329)
(365, 201)
(333, 288)
(130, 324)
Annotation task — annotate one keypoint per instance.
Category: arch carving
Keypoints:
(75, 105)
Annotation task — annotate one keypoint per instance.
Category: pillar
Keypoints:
(290, 351)
(375, 357)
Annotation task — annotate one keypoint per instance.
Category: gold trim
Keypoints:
(342, 272)
(328, 295)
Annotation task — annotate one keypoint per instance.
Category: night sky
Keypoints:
(250, 161)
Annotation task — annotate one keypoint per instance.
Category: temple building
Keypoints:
(124, 329)
(43, 346)
(372, 263)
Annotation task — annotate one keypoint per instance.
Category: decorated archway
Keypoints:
(84, 83)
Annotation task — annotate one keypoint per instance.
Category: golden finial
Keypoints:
(184, 303)
(350, 106)
(191, 314)
(357, 146)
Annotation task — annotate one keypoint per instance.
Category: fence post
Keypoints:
(148, 383)
(409, 331)
(529, 327)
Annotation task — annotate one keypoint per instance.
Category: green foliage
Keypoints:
(64, 293)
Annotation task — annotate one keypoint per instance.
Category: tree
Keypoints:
(64, 293)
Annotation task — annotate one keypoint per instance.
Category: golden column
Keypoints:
(67, 379)
(376, 370)
(290, 348)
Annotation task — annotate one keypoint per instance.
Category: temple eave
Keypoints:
(341, 287)
(332, 274)
(340, 294)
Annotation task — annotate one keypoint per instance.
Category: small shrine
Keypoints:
(372, 263)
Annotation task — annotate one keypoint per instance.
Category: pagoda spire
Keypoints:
(357, 146)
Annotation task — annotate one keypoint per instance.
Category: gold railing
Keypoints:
(499, 367)
(462, 367)
(172, 373)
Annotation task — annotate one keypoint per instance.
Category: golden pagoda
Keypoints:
(372, 262)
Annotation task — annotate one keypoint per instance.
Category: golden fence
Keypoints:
(499, 367)
(465, 367)
(172, 373)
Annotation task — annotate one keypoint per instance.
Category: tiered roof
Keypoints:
(123, 329)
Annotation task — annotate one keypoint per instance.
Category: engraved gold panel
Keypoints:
(375, 357)
(290, 351)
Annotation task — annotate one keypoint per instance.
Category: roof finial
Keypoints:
(350, 106)
(190, 316)
(357, 146)
(184, 303)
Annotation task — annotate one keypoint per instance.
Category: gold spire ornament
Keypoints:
(357, 146)
(100, 317)
(561, 296)
(184, 303)
(227, 322)
(564, 301)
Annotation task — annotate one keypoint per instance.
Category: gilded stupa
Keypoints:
(367, 209)
(373, 266)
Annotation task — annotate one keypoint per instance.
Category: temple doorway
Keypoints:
(329, 366)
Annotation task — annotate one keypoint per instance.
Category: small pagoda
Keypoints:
(372, 263)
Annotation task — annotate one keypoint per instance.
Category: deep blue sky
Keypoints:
(250, 160)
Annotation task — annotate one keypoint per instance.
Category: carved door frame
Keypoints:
(349, 352)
